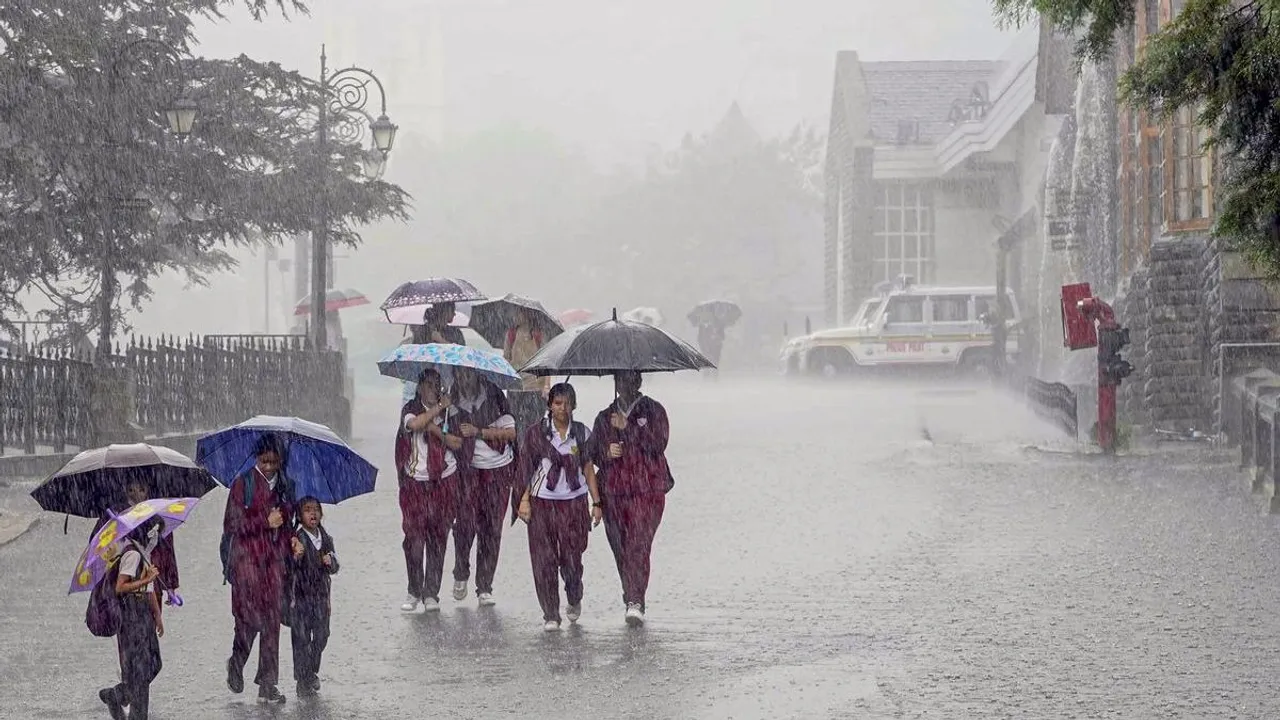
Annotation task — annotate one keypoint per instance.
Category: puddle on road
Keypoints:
(837, 688)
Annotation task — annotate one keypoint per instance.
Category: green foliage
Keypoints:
(83, 137)
(1096, 21)
(1221, 57)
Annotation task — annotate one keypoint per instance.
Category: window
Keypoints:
(1166, 173)
(950, 308)
(903, 309)
(1192, 195)
(982, 305)
(902, 236)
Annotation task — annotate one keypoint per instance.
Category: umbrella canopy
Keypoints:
(334, 300)
(715, 312)
(106, 544)
(576, 316)
(646, 315)
(95, 480)
(615, 346)
(423, 294)
(494, 318)
(316, 461)
(406, 362)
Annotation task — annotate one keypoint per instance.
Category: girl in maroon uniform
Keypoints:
(629, 443)
(258, 519)
(427, 469)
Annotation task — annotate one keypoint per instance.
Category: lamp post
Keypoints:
(346, 93)
(180, 116)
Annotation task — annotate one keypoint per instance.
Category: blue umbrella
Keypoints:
(406, 362)
(316, 461)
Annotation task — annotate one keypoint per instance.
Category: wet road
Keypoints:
(818, 559)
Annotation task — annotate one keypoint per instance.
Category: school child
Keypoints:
(560, 478)
(313, 562)
(140, 628)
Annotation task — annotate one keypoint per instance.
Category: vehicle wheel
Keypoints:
(976, 364)
(831, 362)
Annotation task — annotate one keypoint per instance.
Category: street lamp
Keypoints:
(345, 95)
(180, 115)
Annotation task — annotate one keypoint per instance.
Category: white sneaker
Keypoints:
(430, 605)
(459, 589)
(551, 626)
(635, 616)
(573, 613)
(410, 604)
(486, 599)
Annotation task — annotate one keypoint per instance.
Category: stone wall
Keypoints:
(1174, 349)
(1131, 312)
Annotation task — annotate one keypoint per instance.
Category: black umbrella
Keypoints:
(494, 318)
(615, 346)
(719, 312)
(95, 479)
(424, 293)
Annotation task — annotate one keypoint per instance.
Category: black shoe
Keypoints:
(108, 697)
(305, 689)
(270, 694)
(235, 678)
(315, 683)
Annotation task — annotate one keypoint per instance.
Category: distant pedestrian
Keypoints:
(487, 462)
(256, 526)
(629, 443)
(523, 341)
(314, 561)
(711, 334)
(141, 626)
(427, 467)
(558, 480)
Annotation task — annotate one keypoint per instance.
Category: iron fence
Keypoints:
(171, 385)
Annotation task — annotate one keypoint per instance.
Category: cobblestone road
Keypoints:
(818, 559)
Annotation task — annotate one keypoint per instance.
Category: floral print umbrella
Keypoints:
(108, 543)
(406, 362)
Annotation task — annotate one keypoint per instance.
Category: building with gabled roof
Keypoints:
(927, 162)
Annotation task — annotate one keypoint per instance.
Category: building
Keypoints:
(928, 162)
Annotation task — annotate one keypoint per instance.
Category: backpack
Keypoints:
(102, 616)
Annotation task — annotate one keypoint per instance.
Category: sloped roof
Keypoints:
(920, 90)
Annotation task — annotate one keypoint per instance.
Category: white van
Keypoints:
(909, 325)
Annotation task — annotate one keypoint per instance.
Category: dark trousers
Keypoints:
(309, 627)
(268, 637)
(630, 522)
(427, 511)
(139, 655)
(482, 507)
(558, 532)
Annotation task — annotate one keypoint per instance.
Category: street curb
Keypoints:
(15, 525)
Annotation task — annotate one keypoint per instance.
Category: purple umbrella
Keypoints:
(416, 297)
(108, 543)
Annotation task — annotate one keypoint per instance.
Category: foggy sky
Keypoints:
(614, 79)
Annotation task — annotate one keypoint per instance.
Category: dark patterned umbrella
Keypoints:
(615, 346)
(493, 319)
(425, 293)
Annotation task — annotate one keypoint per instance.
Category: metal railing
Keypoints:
(171, 385)
(1055, 402)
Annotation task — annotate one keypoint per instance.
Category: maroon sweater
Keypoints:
(642, 469)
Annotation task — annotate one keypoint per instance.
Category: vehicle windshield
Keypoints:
(864, 310)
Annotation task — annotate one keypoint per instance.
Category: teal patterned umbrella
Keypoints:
(406, 362)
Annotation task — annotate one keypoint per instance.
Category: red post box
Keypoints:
(1078, 331)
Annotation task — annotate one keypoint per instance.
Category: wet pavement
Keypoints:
(818, 559)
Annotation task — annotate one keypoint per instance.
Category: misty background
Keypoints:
(587, 154)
